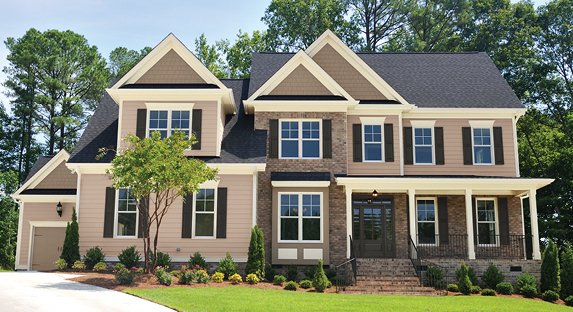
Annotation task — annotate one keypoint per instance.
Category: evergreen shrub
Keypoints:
(61, 264)
(488, 292)
(227, 266)
(464, 283)
(196, 259)
(320, 282)
(129, 257)
(528, 291)
(569, 301)
(453, 288)
(525, 279)
(256, 254)
(306, 284)
(93, 256)
(163, 259)
(291, 285)
(504, 288)
(71, 249)
(566, 273)
(79, 265)
(270, 272)
(292, 273)
(279, 280)
(99, 267)
(492, 277)
(471, 275)
(550, 296)
(550, 279)
(434, 277)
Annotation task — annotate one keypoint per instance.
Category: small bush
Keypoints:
(79, 265)
(93, 256)
(165, 279)
(236, 278)
(125, 276)
(476, 289)
(550, 277)
(227, 266)
(337, 280)
(330, 274)
(61, 264)
(130, 257)
(569, 301)
(270, 272)
(471, 275)
(196, 259)
(504, 288)
(492, 277)
(138, 271)
(218, 277)
(160, 270)
(528, 291)
(176, 273)
(188, 277)
(453, 288)
(203, 277)
(100, 266)
(292, 273)
(550, 296)
(328, 284)
(434, 277)
(252, 279)
(309, 272)
(488, 292)
(279, 280)
(118, 266)
(291, 285)
(464, 283)
(524, 280)
(306, 284)
(163, 259)
(320, 282)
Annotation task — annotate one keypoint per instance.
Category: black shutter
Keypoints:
(186, 228)
(357, 142)
(498, 145)
(467, 145)
(327, 138)
(503, 214)
(222, 212)
(443, 220)
(408, 147)
(196, 124)
(474, 217)
(439, 133)
(109, 213)
(144, 206)
(389, 142)
(274, 138)
(141, 123)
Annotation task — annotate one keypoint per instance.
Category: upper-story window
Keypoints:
(300, 139)
(127, 214)
(167, 121)
(372, 142)
(482, 149)
(423, 146)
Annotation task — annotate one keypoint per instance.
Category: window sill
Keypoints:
(480, 164)
(488, 245)
(373, 161)
(299, 242)
(126, 237)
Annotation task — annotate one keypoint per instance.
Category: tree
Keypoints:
(566, 273)
(71, 249)
(550, 279)
(319, 282)
(464, 283)
(210, 57)
(8, 219)
(156, 172)
(295, 24)
(122, 60)
(239, 56)
(256, 255)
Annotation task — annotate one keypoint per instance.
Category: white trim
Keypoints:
(116, 215)
(255, 188)
(312, 253)
(19, 237)
(252, 106)
(382, 149)
(401, 143)
(372, 120)
(169, 106)
(119, 124)
(33, 226)
(287, 253)
(515, 147)
(469, 223)
(457, 112)
(224, 168)
(436, 227)
(62, 155)
(481, 123)
(349, 215)
(534, 225)
(300, 218)
(169, 111)
(193, 219)
(78, 188)
(46, 198)
(300, 183)
(496, 221)
(422, 123)
(300, 138)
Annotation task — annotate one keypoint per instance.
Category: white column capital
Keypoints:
(469, 192)
(532, 192)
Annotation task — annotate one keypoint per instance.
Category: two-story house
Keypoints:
(325, 149)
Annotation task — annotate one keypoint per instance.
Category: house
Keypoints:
(332, 153)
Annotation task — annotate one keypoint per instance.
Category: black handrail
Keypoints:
(343, 276)
(429, 274)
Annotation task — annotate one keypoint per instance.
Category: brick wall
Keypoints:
(533, 267)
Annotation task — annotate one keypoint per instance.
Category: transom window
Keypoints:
(482, 146)
(423, 146)
(372, 142)
(300, 139)
(300, 217)
(166, 122)
(426, 221)
(205, 213)
(127, 214)
(486, 222)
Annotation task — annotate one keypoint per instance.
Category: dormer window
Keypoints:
(167, 121)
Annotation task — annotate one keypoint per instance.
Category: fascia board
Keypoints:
(93, 168)
(45, 198)
(463, 112)
(377, 109)
(298, 106)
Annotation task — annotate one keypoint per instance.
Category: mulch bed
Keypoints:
(559, 302)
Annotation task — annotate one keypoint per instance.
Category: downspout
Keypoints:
(79, 183)
(255, 184)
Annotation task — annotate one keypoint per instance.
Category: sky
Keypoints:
(131, 24)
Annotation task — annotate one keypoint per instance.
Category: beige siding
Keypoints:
(239, 222)
(171, 69)
(346, 75)
(59, 178)
(300, 82)
(453, 152)
(374, 168)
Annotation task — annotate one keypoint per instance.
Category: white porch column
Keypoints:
(470, 225)
(534, 228)
(412, 214)
(349, 215)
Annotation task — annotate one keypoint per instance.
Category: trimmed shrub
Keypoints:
(306, 284)
(550, 279)
(525, 279)
(434, 277)
(476, 289)
(79, 265)
(464, 283)
(236, 278)
(203, 277)
(163, 259)
(453, 288)
(291, 285)
(330, 274)
(504, 288)
(309, 272)
(188, 277)
(320, 282)
(528, 291)
(196, 259)
(279, 280)
(566, 273)
(550, 296)
(93, 256)
(118, 266)
(488, 292)
(129, 257)
(71, 248)
(292, 273)
(256, 255)
(176, 273)
(160, 270)
(471, 275)
(270, 272)
(125, 276)
(100, 266)
(227, 266)
(61, 264)
(328, 284)
(252, 279)
(165, 279)
(569, 301)
(492, 277)
(218, 277)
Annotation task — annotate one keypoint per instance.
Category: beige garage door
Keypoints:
(48, 242)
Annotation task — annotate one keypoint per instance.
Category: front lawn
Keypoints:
(2, 270)
(249, 299)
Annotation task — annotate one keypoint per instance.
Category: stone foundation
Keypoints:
(533, 267)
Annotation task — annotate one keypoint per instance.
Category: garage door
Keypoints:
(48, 242)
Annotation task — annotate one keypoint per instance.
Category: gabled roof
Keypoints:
(41, 169)
(39, 164)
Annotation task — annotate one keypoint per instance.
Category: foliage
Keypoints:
(569, 301)
(209, 56)
(309, 271)
(8, 214)
(71, 249)
(256, 254)
(160, 270)
(203, 277)
(306, 284)
(118, 266)
(252, 279)
(320, 281)
(291, 285)
(471, 275)
(165, 279)
(492, 276)
(504, 288)
(550, 296)
(476, 289)
(93, 256)
(434, 277)
(227, 266)
(122, 60)
(328, 284)
(330, 274)
(525, 279)
(270, 272)
(279, 280)
(61, 264)
(488, 292)
(464, 283)
(566, 273)
(99, 267)
(528, 291)
(218, 277)
(163, 259)
(79, 265)
(188, 276)
(176, 273)
(292, 273)
(239, 55)
(550, 279)
(196, 259)
(125, 276)
(235, 278)
(129, 257)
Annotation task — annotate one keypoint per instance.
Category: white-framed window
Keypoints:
(204, 213)
(372, 146)
(426, 219)
(423, 146)
(300, 217)
(482, 146)
(487, 226)
(127, 216)
(300, 139)
(167, 121)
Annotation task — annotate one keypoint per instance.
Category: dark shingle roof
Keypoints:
(264, 65)
(39, 164)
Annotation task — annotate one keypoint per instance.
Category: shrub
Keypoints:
(160, 270)
(270, 272)
(550, 296)
(504, 288)
(61, 264)
(236, 278)
(218, 277)
(163, 259)
(476, 289)
(569, 301)
(93, 256)
(165, 279)
(528, 291)
(291, 285)
(464, 283)
(492, 277)
(471, 275)
(306, 284)
(488, 292)
(292, 273)
(100, 266)
(328, 284)
(279, 280)
(337, 280)
(118, 266)
(125, 276)
(138, 271)
(203, 277)
(129, 257)
(188, 277)
(566, 273)
(550, 279)
(176, 273)
(320, 282)
(196, 259)
(309, 272)
(252, 279)
(79, 265)
(71, 248)
(524, 280)
(256, 255)
(434, 277)
(453, 288)
(330, 274)
(227, 266)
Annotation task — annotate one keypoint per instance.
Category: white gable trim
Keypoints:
(62, 155)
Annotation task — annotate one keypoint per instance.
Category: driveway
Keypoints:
(37, 291)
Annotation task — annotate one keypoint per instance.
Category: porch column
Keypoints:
(349, 215)
(470, 225)
(412, 214)
(534, 228)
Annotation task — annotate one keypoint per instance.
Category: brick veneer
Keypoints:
(533, 267)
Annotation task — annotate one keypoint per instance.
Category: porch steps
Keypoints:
(387, 277)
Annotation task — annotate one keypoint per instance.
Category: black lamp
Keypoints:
(59, 209)
(374, 194)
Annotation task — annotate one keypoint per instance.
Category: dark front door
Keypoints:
(373, 226)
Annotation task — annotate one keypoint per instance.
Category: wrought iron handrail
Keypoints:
(429, 273)
(343, 276)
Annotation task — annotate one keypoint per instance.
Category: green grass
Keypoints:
(2, 270)
(237, 298)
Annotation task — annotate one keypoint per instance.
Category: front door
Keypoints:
(373, 226)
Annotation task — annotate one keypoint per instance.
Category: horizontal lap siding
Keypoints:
(129, 118)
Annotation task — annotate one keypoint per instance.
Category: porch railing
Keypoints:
(429, 273)
(456, 246)
(346, 272)
(497, 246)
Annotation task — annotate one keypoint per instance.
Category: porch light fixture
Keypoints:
(59, 209)
(374, 194)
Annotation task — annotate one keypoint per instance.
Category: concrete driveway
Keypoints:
(37, 291)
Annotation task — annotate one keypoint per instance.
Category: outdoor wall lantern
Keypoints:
(374, 194)
(59, 209)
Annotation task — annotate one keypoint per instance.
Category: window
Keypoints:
(166, 121)
(372, 142)
(482, 146)
(300, 217)
(423, 146)
(427, 228)
(486, 222)
(127, 214)
(205, 213)
(300, 139)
